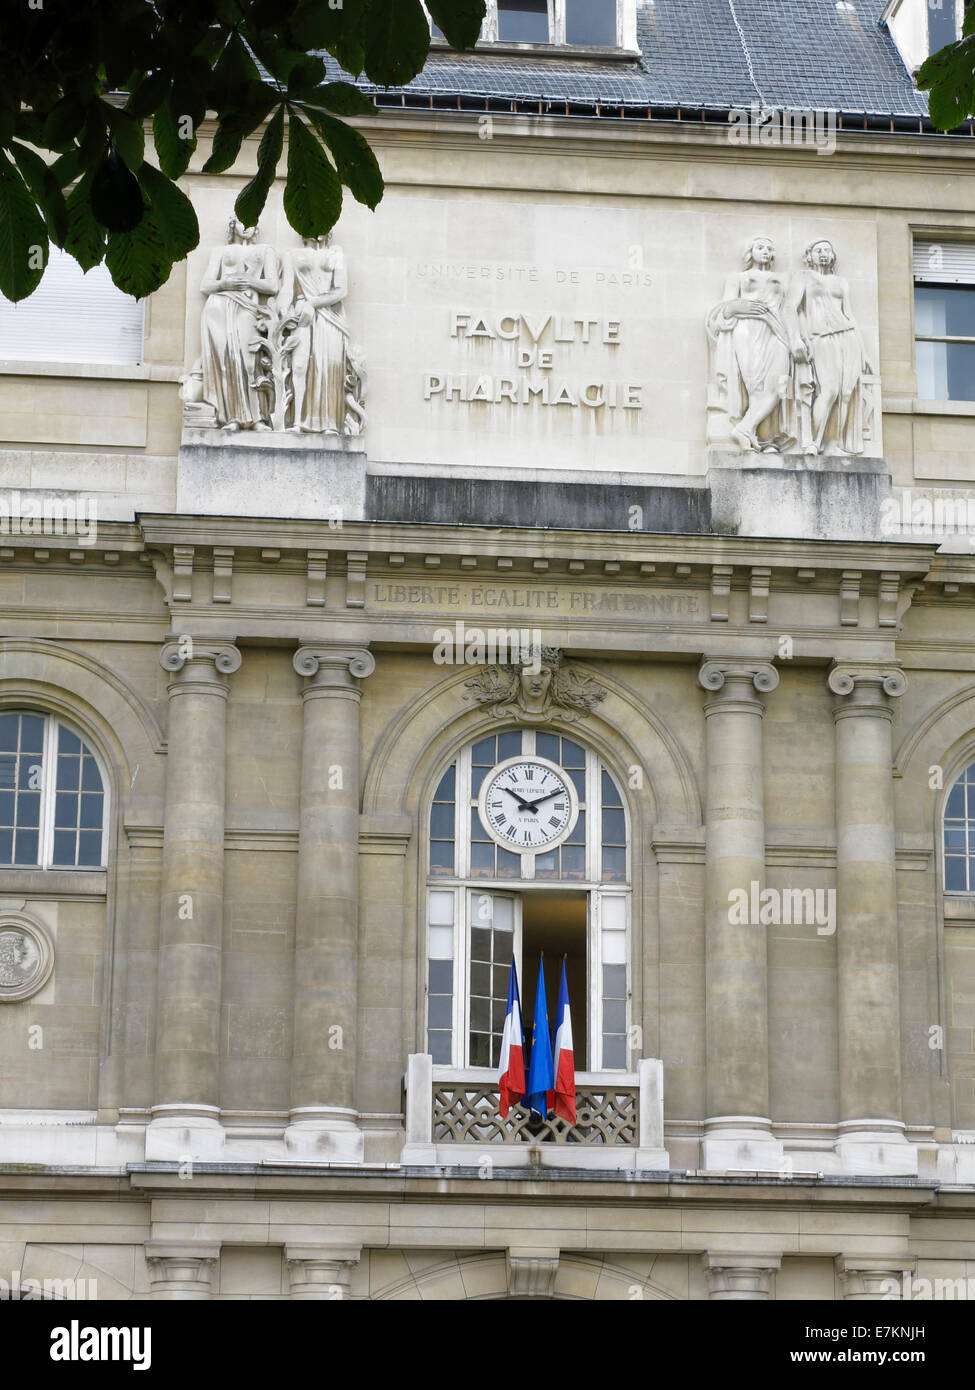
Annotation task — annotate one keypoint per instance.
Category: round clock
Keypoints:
(528, 805)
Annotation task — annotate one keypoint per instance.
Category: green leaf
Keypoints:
(128, 138)
(23, 237)
(234, 71)
(316, 24)
(149, 94)
(86, 238)
(313, 192)
(138, 261)
(344, 98)
(397, 41)
(354, 160)
(232, 131)
(459, 20)
(172, 212)
(116, 198)
(252, 197)
(45, 190)
(174, 145)
(63, 122)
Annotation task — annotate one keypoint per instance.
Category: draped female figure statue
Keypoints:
(314, 283)
(833, 424)
(240, 279)
(760, 358)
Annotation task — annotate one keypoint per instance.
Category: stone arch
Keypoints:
(624, 731)
(944, 736)
(483, 1276)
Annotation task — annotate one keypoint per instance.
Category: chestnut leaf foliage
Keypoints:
(80, 83)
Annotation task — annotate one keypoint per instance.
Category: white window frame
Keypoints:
(947, 262)
(48, 789)
(466, 890)
(625, 30)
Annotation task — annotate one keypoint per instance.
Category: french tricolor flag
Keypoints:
(511, 1077)
(565, 1070)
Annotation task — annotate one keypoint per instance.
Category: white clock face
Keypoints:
(528, 805)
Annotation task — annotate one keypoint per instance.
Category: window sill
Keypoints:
(965, 409)
(507, 49)
(111, 371)
(54, 883)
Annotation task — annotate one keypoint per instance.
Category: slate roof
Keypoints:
(714, 54)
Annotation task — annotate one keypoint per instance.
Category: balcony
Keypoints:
(452, 1120)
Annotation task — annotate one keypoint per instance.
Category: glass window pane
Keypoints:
(547, 865)
(954, 838)
(523, 21)
(25, 847)
(440, 1008)
(578, 836)
(614, 828)
(6, 808)
(483, 753)
(480, 1048)
(92, 810)
(6, 846)
(481, 979)
(613, 914)
(955, 805)
(614, 1015)
(547, 746)
(614, 865)
(65, 847)
(66, 810)
(438, 1045)
(942, 24)
(441, 857)
(931, 311)
(8, 770)
(481, 944)
(441, 976)
(509, 745)
(89, 848)
(572, 754)
(32, 734)
(445, 792)
(509, 865)
(9, 726)
(614, 981)
(955, 879)
(579, 781)
(441, 909)
(614, 1052)
(502, 973)
(480, 1014)
(441, 943)
(932, 371)
(574, 861)
(482, 861)
(614, 947)
(67, 741)
(442, 822)
(591, 22)
(498, 1009)
(91, 780)
(504, 914)
(29, 808)
(611, 796)
(69, 773)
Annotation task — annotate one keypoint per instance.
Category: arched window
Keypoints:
(959, 834)
(528, 854)
(53, 805)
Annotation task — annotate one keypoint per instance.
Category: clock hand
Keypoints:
(547, 797)
(525, 805)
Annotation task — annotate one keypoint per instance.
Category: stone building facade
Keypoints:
(253, 921)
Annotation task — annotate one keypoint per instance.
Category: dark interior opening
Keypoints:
(556, 924)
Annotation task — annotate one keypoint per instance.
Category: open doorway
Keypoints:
(555, 925)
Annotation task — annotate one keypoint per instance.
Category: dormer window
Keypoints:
(922, 27)
(579, 25)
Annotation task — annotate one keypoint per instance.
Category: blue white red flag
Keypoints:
(565, 1068)
(541, 1076)
(511, 1077)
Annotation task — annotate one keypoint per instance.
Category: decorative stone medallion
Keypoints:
(26, 957)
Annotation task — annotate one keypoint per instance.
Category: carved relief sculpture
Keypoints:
(834, 424)
(276, 351)
(789, 374)
(26, 957)
(534, 691)
(240, 279)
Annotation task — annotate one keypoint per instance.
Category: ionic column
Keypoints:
(871, 1132)
(323, 1116)
(738, 1130)
(873, 1277)
(181, 1271)
(187, 1065)
(321, 1272)
(740, 1277)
